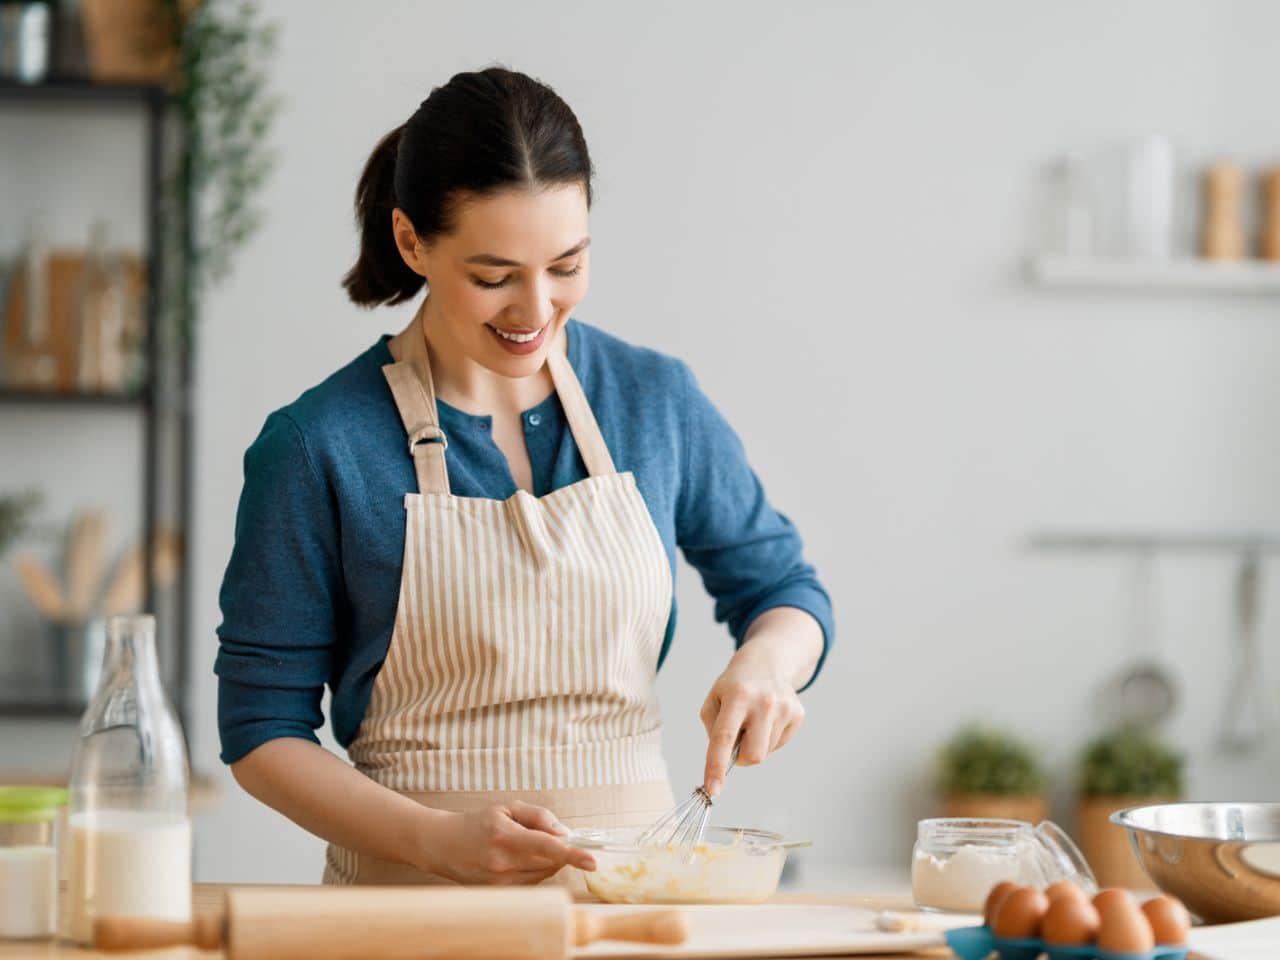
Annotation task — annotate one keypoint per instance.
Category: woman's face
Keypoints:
(504, 281)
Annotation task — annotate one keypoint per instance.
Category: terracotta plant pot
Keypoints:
(1031, 808)
(1106, 846)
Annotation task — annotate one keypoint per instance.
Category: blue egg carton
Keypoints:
(977, 943)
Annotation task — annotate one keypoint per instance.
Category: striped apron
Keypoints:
(526, 639)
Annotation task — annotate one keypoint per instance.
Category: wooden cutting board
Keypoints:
(778, 929)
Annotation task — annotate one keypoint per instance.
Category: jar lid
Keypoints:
(1060, 859)
(30, 804)
(972, 829)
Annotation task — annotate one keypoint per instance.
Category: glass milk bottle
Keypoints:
(128, 850)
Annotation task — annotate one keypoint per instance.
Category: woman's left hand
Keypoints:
(756, 696)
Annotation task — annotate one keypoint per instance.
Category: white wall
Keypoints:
(824, 209)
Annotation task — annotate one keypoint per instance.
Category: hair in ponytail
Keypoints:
(380, 275)
(479, 134)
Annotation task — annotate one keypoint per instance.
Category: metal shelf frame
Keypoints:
(156, 102)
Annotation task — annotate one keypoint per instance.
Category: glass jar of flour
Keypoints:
(128, 849)
(956, 862)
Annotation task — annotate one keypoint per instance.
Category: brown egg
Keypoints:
(1169, 920)
(1065, 888)
(1070, 921)
(1020, 913)
(1113, 897)
(1124, 928)
(994, 899)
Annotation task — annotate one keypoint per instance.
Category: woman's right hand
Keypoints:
(504, 844)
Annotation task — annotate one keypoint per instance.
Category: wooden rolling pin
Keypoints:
(398, 923)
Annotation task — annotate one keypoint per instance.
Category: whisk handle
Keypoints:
(733, 757)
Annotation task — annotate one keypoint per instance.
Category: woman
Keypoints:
(469, 534)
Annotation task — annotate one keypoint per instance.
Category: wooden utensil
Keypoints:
(42, 588)
(166, 556)
(398, 923)
(84, 562)
(124, 593)
(128, 585)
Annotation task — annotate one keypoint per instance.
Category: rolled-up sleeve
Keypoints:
(749, 555)
(280, 597)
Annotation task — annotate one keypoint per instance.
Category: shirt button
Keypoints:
(535, 419)
(484, 425)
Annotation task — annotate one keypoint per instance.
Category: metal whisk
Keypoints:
(685, 824)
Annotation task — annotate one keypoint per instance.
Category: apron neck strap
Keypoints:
(582, 422)
(414, 391)
(415, 394)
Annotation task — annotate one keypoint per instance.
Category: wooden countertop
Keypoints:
(208, 898)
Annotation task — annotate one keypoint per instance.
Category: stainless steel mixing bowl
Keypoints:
(1221, 859)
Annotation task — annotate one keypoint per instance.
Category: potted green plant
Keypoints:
(15, 511)
(1125, 768)
(989, 773)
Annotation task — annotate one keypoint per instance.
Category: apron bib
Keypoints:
(525, 643)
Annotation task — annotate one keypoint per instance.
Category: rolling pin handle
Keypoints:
(119, 934)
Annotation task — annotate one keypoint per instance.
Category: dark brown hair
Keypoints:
(477, 135)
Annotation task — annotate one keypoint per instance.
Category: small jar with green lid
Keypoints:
(29, 819)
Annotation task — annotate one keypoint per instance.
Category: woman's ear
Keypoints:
(407, 242)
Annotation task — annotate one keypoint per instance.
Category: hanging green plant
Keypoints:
(226, 111)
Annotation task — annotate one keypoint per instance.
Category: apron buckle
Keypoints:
(427, 433)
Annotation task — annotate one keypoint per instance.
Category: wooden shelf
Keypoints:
(30, 697)
(80, 89)
(1149, 541)
(35, 398)
(1155, 276)
(51, 709)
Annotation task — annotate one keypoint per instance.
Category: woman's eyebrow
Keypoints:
(489, 260)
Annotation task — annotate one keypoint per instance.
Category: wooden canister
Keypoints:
(1269, 247)
(1222, 237)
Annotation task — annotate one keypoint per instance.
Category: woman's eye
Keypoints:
(496, 284)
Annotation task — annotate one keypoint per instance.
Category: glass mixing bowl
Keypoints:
(731, 865)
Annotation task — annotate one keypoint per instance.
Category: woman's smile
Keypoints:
(518, 341)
